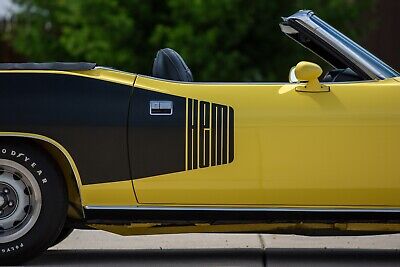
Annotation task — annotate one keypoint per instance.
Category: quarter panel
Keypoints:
(87, 116)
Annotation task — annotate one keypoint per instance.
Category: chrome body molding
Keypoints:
(199, 208)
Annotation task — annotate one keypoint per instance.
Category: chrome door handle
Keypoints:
(158, 108)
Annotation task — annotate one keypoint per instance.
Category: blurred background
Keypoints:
(221, 40)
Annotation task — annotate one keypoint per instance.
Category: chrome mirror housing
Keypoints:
(292, 75)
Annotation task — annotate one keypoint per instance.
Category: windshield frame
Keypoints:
(333, 46)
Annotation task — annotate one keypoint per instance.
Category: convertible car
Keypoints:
(86, 147)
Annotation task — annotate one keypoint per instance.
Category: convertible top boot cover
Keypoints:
(169, 65)
(61, 66)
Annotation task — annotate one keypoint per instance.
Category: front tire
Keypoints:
(65, 232)
(33, 201)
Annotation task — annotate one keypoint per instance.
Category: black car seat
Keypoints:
(169, 65)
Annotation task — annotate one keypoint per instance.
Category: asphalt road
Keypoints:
(96, 248)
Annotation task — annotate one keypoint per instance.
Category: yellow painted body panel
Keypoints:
(109, 75)
(293, 149)
(108, 194)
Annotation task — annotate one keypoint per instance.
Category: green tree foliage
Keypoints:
(221, 40)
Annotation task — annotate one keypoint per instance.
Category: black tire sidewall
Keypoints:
(54, 202)
(65, 233)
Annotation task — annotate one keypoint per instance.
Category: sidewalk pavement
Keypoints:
(87, 239)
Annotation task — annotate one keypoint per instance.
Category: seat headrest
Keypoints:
(169, 65)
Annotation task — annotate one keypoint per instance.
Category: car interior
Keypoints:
(341, 75)
(169, 65)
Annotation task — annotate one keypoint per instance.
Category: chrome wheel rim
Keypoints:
(20, 200)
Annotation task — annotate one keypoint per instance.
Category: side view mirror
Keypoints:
(309, 72)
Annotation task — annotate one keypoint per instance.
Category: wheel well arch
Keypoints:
(65, 163)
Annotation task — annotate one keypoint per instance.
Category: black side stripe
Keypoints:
(204, 134)
(241, 215)
(231, 134)
(210, 134)
(198, 134)
(157, 143)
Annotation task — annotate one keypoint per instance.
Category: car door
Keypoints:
(265, 144)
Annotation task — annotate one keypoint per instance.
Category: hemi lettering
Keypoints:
(210, 139)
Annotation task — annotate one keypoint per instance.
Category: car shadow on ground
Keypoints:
(220, 257)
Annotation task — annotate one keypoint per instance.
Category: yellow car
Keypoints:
(89, 147)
